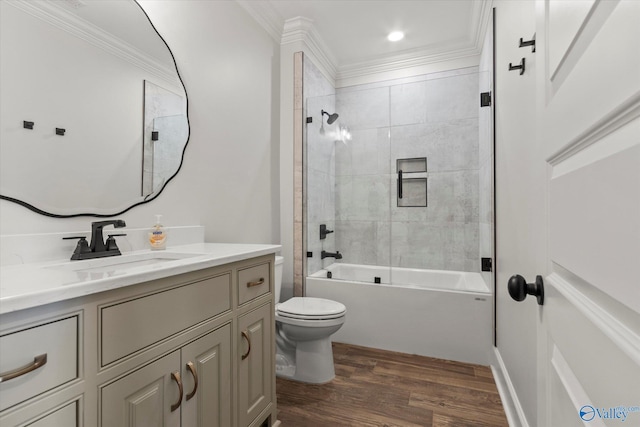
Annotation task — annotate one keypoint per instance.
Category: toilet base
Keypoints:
(313, 364)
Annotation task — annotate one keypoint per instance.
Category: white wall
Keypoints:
(229, 180)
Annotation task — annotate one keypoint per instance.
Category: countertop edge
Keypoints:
(239, 252)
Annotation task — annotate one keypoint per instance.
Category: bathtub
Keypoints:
(442, 314)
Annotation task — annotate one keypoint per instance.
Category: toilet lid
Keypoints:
(311, 308)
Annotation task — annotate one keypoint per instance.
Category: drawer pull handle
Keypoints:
(176, 378)
(246, 336)
(192, 369)
(258, 283)
(38, 362)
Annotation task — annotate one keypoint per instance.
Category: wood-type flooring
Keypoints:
(381, 388)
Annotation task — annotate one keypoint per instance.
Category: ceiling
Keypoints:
(352, 33)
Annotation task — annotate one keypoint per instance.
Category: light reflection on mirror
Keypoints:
(85, 69)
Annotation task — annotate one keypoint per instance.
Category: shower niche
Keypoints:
(411, 183)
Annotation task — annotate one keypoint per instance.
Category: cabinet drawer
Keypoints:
(58, 340)
(66, 416)
(132, 325)
(253, 282)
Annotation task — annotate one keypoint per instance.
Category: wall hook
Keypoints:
(517, 67)
(531, 43)
(27, 125)
(60, 131)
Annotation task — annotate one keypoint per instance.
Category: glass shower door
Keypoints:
(347, 170)
(434, 154)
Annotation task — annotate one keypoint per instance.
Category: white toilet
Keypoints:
(304, 326)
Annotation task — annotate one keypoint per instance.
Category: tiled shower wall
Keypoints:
(437, 118)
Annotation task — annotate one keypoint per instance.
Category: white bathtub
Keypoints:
(443, 314)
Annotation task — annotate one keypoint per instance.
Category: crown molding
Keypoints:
(55, 15)
(402, 62)
(467, 48)
(302, 30)
(481, 17)
(265, 15)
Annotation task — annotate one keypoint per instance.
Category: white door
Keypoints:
(587, 69)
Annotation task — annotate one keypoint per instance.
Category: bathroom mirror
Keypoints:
(93, 114)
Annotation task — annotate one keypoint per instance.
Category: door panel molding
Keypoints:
(617, 118)
(594, 207)
(572, 386)
(593, 21)
(625, 338)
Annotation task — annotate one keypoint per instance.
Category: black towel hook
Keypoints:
(517, 67)
(531, 43)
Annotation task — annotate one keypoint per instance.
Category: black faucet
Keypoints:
(325, 254)
(97, 239)
(97, 248)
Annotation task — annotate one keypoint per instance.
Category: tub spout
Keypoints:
(325, 254)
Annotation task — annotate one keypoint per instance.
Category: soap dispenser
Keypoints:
(158, 236)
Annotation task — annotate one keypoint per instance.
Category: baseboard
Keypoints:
(512, 407)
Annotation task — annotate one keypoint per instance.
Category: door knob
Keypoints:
(519, 288)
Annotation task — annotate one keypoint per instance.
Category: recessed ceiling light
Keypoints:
(395, 36)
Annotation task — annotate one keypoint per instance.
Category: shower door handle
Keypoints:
(400, 184)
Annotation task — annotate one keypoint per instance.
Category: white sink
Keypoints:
(122, 263)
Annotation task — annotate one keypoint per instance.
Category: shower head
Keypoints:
(332, 117)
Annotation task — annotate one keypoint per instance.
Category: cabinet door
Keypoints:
(144, 397)
(206, 373)
(255, 364)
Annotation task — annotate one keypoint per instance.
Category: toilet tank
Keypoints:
(278, 277)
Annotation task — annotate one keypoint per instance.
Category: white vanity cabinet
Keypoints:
(189, 350)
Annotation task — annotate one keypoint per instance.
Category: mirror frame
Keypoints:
(147, 199)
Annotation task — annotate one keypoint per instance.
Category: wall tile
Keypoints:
(357, 241)
(364, 109)
(321, 198)
(408, 104)
(452, 98)
(447, 146)
(367, 153)
(418, 245)
(362, 198)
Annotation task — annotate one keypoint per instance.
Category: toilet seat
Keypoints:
(308, 308)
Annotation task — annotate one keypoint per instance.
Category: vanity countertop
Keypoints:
(30, 285)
